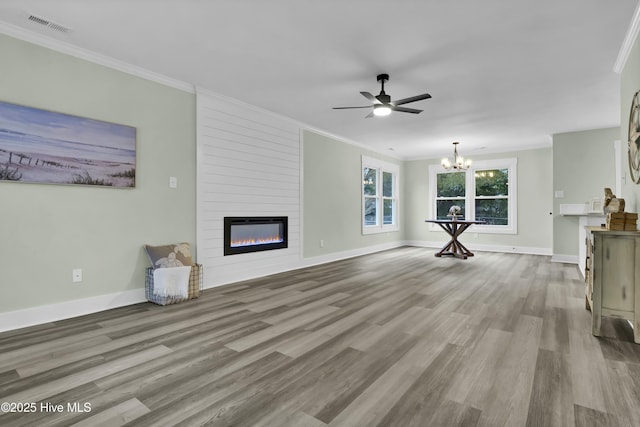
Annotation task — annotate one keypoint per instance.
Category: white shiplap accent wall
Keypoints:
(249, 164)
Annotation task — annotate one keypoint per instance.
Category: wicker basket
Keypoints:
(195, 287)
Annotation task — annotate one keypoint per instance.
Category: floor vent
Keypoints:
(49, 24)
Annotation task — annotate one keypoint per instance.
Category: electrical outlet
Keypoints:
(76, 275)
(173, 182)
(322, 243)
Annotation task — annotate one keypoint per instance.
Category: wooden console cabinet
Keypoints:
(612, 277)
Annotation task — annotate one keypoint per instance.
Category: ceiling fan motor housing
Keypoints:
(383, 98)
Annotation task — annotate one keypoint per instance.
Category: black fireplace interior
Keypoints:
(253, 234)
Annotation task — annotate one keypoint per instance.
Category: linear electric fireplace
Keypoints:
(254, 233)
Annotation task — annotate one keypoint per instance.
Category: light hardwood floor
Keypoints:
(397, 338)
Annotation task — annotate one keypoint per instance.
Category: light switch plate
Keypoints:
(173, 182)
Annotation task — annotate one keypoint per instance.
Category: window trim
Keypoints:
(511, 164)
(381, 166)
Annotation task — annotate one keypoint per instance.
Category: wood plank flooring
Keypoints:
(396, 338)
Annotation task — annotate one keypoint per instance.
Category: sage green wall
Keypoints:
(534, 202)
(332, 197)
(48, 230)
(629, 84)
(583, 165)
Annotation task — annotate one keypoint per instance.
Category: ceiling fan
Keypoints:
(383, 105)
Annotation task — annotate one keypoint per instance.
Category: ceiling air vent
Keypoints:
(49, 24)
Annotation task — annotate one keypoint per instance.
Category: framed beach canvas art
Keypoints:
(40, 146)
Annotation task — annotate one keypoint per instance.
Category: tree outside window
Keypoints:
(379, 196)
(451, 191)
(388, 199)
(492, 196)
(485, 192)
(370, 191)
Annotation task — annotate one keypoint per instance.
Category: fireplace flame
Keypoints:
(257, 241)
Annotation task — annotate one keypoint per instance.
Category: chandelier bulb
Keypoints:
(459, 163)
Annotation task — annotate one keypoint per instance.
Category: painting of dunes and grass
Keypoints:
(40, 146)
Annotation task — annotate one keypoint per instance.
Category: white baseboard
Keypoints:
(302, 263)
(565, 259)
(65, 310)
(337, 256)
(242, 275)
(487, 248)
(53, 312)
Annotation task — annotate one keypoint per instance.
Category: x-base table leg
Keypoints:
(454, 247)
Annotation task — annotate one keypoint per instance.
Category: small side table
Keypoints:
(454, 228)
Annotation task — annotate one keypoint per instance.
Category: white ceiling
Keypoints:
(504, 74)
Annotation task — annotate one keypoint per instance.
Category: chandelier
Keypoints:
(458, 162)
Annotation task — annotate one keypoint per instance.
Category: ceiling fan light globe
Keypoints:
(381, 110)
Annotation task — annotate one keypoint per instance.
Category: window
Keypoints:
(370, 191)
(485, 192)
(451, 191)
(379, 196)
(492, 196)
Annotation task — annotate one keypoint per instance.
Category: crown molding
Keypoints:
(629, 40)
(301, 125)
(388, 153)
(87, 55)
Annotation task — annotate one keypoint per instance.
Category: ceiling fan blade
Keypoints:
(368, 116)
(370, 97)
(348, 108)
(406, 110)
(412, 99)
